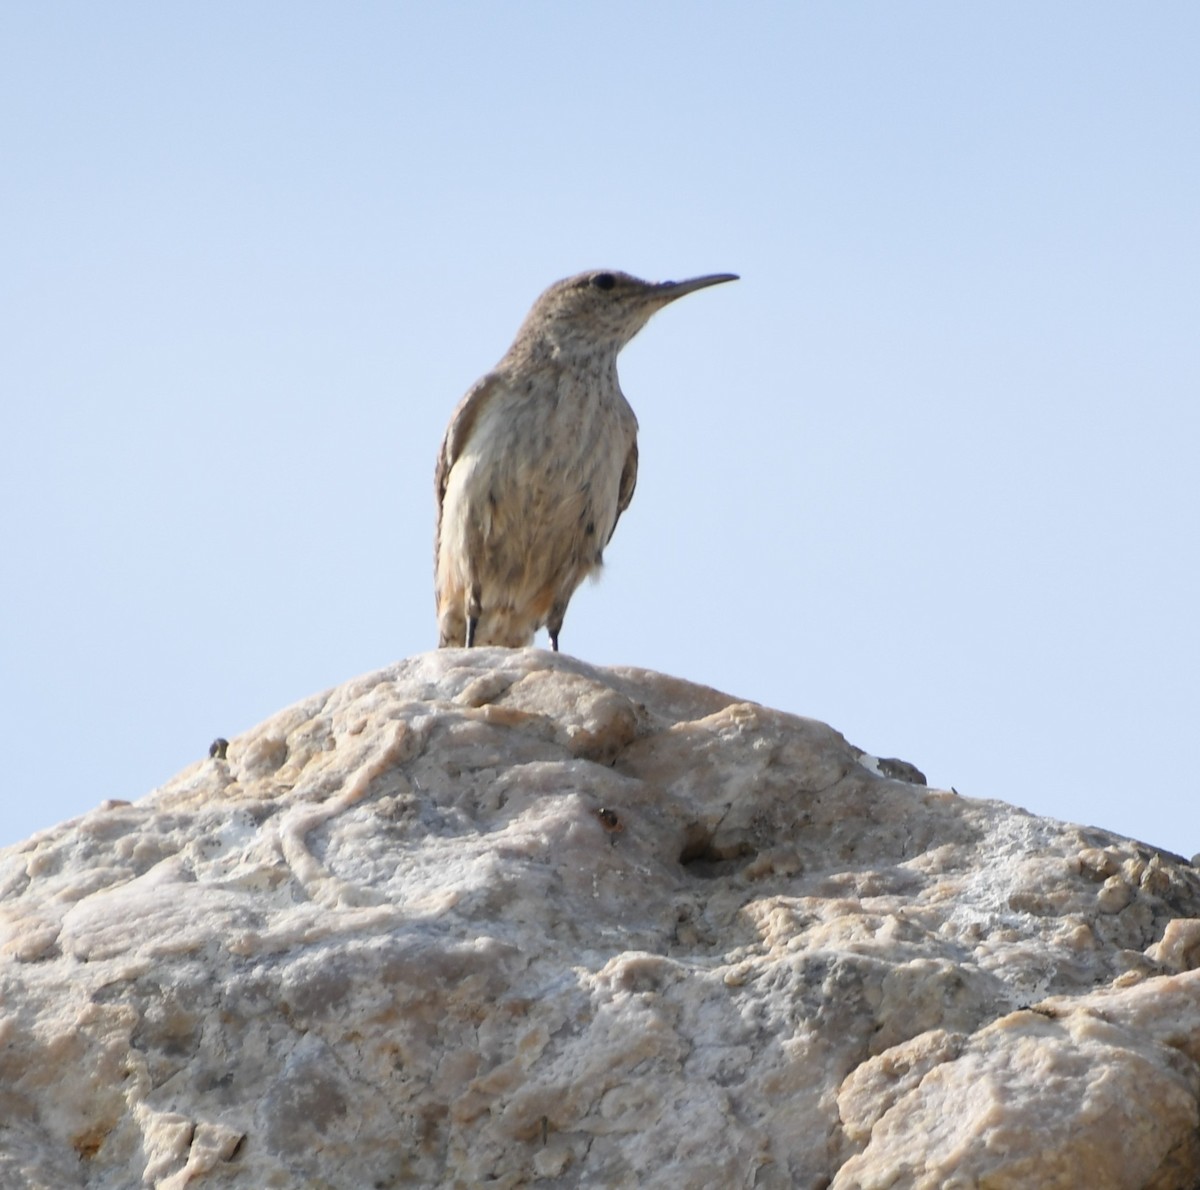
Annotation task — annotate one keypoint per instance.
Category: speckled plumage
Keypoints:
(539, 461)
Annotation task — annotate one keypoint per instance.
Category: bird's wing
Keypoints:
(628, 483)
(462, 422)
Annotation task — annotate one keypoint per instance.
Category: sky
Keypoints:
(927, 472)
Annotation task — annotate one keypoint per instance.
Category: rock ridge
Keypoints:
(498, 917)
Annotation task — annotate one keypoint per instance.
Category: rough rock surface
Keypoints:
(500, 918)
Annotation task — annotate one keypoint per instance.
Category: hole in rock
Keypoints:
(703, 856)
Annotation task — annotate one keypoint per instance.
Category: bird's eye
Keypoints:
(604, 280)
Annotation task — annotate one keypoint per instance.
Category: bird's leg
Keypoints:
(555, 622)
(474, 611)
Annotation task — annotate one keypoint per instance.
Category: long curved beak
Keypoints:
(670, 290)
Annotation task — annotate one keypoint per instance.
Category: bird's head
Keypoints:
(601, 310)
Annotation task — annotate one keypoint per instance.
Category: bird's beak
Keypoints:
(668, 291)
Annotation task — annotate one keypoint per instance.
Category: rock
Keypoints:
(501, 918)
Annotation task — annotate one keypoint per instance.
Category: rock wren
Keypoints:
(539, 461)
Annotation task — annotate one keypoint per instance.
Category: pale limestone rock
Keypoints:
(500, 918)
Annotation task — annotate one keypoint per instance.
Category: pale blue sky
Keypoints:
(927, 472)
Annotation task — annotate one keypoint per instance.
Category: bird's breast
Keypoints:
(547, 455)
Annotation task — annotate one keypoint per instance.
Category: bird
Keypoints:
(540, 460)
